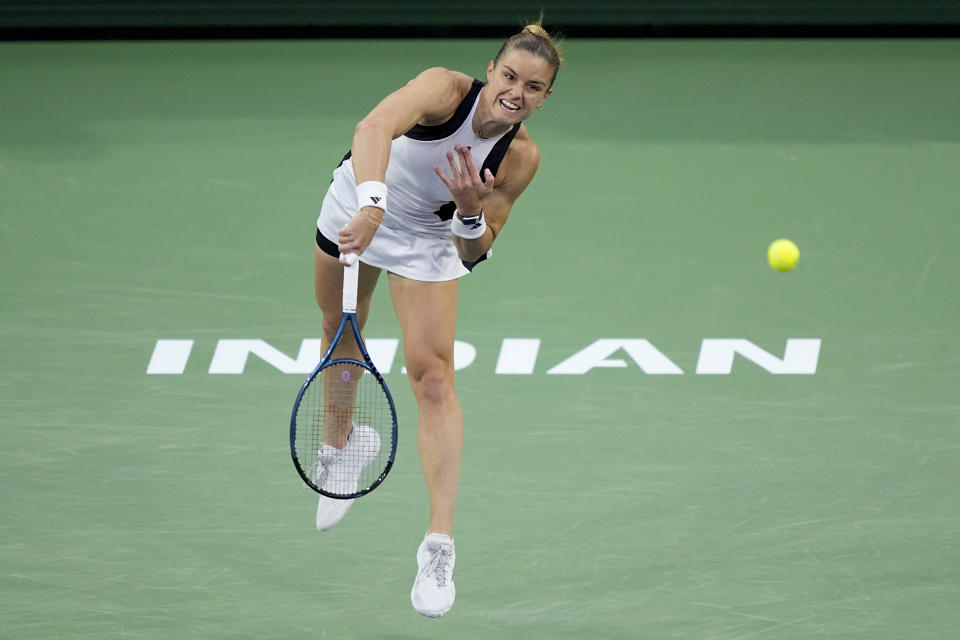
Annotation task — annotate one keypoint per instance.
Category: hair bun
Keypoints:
(536, 30)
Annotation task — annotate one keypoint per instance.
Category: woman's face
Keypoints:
(516, 85)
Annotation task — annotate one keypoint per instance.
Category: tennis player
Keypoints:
(431, 178)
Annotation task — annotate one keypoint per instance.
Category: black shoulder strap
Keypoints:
(495, 157)
(448, 128)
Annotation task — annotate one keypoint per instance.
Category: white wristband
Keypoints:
(474, 228)
(372, 194)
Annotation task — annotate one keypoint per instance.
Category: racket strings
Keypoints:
(345, 429)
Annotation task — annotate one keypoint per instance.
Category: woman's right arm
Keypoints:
(431, 98)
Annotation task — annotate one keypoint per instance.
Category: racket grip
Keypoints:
(351, 258)
(351, 281)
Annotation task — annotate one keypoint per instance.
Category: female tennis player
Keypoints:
(431, 178)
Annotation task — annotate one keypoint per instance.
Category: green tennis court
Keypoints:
(793, 475)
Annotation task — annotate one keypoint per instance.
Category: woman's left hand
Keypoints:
(466, 186)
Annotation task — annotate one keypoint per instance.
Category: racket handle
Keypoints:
(351, 281)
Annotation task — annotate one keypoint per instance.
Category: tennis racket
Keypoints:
(343, 430)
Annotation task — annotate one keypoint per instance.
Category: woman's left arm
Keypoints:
(494, 198)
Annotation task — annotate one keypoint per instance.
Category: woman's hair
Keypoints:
(534, 39)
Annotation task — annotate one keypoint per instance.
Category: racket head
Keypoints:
(343, 429)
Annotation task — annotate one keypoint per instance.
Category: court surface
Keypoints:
(168, 191)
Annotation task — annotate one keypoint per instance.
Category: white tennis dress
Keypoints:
(414, 240)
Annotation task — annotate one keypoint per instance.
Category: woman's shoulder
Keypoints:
(441, 91)
(520, 162)
(443, 78)
(523, 148)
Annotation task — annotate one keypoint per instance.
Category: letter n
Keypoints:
(231, 356)
(799, 357)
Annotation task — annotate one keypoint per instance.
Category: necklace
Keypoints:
(481, 134)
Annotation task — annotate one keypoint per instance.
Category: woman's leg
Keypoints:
(328, 290)
(338, 391)
(427, 312)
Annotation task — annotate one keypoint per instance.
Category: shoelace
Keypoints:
(319, 470)
(439, 561)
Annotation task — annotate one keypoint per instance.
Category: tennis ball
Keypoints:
(783, 255)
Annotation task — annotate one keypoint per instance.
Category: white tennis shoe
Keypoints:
(338, 471)
(433, 590)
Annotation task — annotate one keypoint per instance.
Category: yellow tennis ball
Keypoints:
(783, 255)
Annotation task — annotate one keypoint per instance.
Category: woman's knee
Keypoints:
(329, 323)
(433, 381)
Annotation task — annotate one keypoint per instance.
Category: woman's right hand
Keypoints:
(357, 234)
